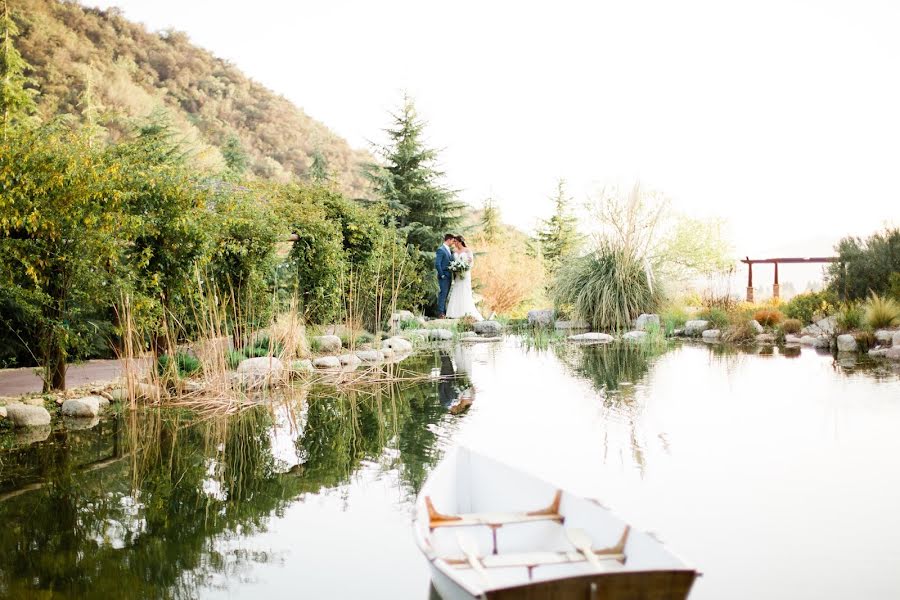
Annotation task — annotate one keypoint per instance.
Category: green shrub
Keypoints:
(673, 317)
(768, 317)
(364, 338)
(717, 317)
(607, 288)
(467, 323)
(315, 345)
(849, 317)
(868, 264)
(409, 324)
(184, 365)
(233, 358)
(811, 306)
(791, 326)
(881, 312)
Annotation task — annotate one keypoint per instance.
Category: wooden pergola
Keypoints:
(776, 288)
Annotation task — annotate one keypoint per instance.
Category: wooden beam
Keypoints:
(816, 259)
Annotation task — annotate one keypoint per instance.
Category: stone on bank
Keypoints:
(83, 408)
(23, 415)
(491, 328)
(696, 327)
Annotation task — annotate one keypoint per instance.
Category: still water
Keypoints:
(776, 476)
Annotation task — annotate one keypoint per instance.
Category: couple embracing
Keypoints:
(453, 263)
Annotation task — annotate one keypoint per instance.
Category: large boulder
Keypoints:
(634, 336)
(695, 327)
(349, 360)
(646, 320)
(711, 335)
(816, 341)
(846, 343)
(884, 337)
(303, 365)
(896, 341)
(792, 339)
(23, 415)
(765, 338)
(541, 318)
(83, 408)
(440, 334)
(369, 355)
(826, 326)
(397, 344)
(327, 362)
(491, 328)
(592, 338)
(327, 343)
(260, 371)
(756, 326)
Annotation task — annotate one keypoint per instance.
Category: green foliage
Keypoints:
(811, 306)
(409, 183)
(881, 312)
(849, 316)
(718, 318)
(558, 236)
(607, 288)
(184, 365)
(364, 338)
(768, 317)
(673, 317)
(16, 99)
(466, 323)
(791, 326)
(894, 286)
(236, 160)
(233, 358)
(742, 331)
(491, 225)
(868, 264)
(318, 170)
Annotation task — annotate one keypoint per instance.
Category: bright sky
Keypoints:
(782, 117)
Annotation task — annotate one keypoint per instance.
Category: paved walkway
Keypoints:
(15, 382)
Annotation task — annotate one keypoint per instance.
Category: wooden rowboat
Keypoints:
(492, 532)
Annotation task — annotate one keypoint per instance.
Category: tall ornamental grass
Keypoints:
(607, 288)
(881, 312)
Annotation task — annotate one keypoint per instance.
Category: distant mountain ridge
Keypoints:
(98, 65)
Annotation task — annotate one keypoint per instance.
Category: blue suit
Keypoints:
(442, 260)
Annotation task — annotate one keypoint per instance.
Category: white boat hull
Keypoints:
(494, 533)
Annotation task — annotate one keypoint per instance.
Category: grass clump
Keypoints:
(182, 365)
(791, 326)
(607, 288)
(717, 317)
(743, 331)
(672, 318)
(881, 312)
(233, 358)
(768, 317)
(849, 317)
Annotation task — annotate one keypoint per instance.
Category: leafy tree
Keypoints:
(16, 101)
(870, 265)
(318, 170)
(409, 183)
(61, 226)
(558, 236)
(490, 221)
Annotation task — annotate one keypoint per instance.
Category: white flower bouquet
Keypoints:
(459, 267)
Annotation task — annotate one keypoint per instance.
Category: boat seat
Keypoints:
(493, 520)
(531, 559)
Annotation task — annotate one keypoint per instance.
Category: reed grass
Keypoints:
(881, 312)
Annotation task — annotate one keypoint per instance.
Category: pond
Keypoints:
(776, 475)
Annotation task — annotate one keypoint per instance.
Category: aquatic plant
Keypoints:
(881, 312)
(673, 317)
(607, 288)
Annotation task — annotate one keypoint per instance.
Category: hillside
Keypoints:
(98, 65)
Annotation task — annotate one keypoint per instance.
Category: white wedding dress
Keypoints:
(461, 302)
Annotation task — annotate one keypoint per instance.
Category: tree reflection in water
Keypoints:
(133, 507)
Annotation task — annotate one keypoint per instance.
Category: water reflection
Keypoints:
(720, 450)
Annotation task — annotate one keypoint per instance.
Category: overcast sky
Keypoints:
(782, 117)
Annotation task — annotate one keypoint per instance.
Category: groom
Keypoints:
(442, 259)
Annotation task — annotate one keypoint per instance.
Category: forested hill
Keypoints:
(98, 65)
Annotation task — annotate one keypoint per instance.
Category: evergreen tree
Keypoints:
(558, 236)
(235, 157)
(318, 170)
(409, 183)
(16, 101)
(490, 221)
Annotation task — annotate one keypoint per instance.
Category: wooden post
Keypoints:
(776, 289)
(749, 282)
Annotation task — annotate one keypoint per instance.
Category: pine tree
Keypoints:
(490, 221)
(235, 156)
(16, 101)
(318, 170)
(409, 183)
(558, 237)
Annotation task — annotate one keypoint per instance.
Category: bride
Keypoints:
(461, 302)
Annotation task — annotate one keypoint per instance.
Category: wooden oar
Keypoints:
(582, 541)
(470, 549)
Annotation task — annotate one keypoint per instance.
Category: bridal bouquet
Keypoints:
(459, 267)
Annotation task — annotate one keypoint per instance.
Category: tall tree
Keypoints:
(236, 160)
(490, 221)
(410, 183)
(16, 101)
(318, 170)
(558, 236)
